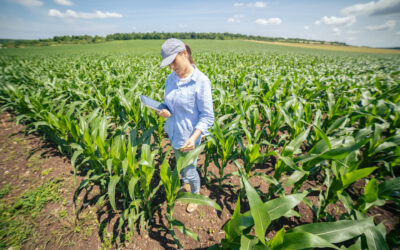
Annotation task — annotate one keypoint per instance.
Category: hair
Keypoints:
(189, 52)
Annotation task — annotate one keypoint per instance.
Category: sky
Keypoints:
(355, 22)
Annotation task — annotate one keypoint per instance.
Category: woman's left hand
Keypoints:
(189, 145)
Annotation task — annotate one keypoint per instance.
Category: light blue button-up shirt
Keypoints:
(191, 107)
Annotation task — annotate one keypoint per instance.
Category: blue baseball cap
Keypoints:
(170, 49)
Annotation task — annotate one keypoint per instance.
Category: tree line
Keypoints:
(86, 39)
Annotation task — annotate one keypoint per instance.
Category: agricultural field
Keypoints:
(304, 152)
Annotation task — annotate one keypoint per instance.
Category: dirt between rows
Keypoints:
(26, 161)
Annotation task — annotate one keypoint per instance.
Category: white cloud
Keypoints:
(260, 5)
(398, 33)
(183, 25)
(29, 3)
(238, 4)
(274, 20)
(348, 20)
(306, 27)
(235, 19)
(133, 28)
(337, 31)
(257, 5)
(64, 2)
(389, 25)
(83, 15)
(381, 7)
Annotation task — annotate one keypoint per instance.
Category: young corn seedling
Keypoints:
(223, 140)
(237, 230)
(377, 193)
(275, 118)
(343, 171)
(171, 183)
(251, 152)
(317, 235)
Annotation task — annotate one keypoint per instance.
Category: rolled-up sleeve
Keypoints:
(205, 107)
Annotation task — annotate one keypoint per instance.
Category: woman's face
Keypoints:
(180, 63)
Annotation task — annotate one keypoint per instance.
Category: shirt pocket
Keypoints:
(188, 98)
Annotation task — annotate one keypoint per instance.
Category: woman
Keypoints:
(189, 100)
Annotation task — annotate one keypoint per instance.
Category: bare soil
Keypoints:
(27, 161)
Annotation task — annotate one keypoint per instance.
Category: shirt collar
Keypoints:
(193, 76)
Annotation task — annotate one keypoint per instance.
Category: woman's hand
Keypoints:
(164, 113)
(189, 145)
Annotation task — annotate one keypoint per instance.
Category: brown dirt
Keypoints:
(25, 160)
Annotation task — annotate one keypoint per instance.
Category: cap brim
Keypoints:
(168, 60)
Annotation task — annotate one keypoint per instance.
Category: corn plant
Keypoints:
(222, 139)
(376, 193)
(171, 183)
(316, 235)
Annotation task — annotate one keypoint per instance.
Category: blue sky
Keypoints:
(366, 23)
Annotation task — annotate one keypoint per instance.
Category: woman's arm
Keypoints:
(205, 107)
(206, 115)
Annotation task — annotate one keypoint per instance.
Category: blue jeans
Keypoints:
(190, 175)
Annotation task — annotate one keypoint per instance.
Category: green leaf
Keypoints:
(295, 177)
(278, 239)
(301, 240)
(387, 187)
(247, 243)
(74, 157)
(382, 147)
(175, 183)
(188, 197)
(111, 190)
(186, 231)
(103, 128)
(295, 144)
(165, 173)
(260, 215)
(185, 159)
(267, 178)
(131, 187)
(323, 135)
(341, 153)
(355, 175)
(347, 201)
(232, 227)
(289, 162)
(145, 158)
(356, 246)
(335, 232)
(338, 122)
(375, 239)
(371, 195)
(279, 207)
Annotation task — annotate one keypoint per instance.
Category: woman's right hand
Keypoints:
(164, 113)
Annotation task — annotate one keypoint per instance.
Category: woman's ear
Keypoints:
(185, 54)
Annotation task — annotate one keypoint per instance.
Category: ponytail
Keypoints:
(189, 52)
